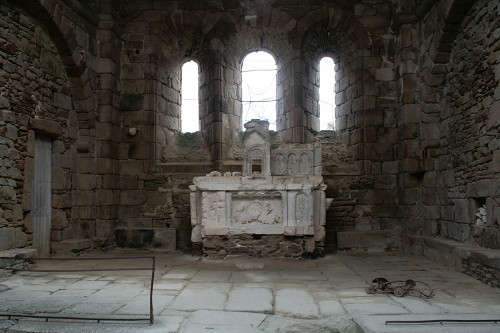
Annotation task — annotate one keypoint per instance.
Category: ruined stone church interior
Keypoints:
(94, 156)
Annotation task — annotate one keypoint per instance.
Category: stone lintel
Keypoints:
(46, 127)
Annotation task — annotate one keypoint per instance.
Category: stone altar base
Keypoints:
(260, 246)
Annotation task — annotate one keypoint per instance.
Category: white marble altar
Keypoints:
(279, 192)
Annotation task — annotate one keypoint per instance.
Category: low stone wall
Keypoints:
(259, 246)
(16, 259)
(480, 263)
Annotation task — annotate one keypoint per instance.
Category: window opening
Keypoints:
(259, 88)
(189, 91)
(327, 94)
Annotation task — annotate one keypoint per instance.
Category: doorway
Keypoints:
(42, 195)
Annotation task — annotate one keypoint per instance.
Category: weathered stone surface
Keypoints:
(368, 241)
(47, 127)
(158, 238)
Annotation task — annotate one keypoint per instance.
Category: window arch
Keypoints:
(190, 103)
(258, 79)
(327, 94)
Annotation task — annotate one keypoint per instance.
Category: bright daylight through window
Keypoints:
(190, 108)
(259, 88)
(327, 94)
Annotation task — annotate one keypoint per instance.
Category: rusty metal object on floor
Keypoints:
(399, 288)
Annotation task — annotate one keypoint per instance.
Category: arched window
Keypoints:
(259, 88)
(327, 94)
(189, 91)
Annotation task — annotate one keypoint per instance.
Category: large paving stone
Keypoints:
(254, 276)
(337, 324)
(374, 308)
(46, 304)
(250, 300)
(216, 321)
(180, 273)
(211, 276)
(22, 295)
(117, 293)
(330, 308)
(169, 285)
(457, 308)
(93, 308)
(202, 296)
(418, 305)
(140, 305)
(85, 284)
(302, 275)
(296, 303)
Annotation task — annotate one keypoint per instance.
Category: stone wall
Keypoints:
(449, 122)
(34, 86)
(416, 144)
(160, 36)
(469, 131)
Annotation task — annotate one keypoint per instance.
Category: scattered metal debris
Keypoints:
(399, 288)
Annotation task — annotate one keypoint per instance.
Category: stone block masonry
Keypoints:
(415, 148)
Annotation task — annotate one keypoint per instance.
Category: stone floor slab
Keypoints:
(180, 273)
(330, 308)
(296, 303)
(254, 276)
(202, 296)
(250, 300)
(211, 276)
(140, 305)
(374, 308)
(93, 308)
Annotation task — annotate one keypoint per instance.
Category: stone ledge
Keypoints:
(463, 251)
(16, 259)
(72, 245)
(482, 264)
(369, 241)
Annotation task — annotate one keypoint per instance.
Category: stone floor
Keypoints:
(245, 295)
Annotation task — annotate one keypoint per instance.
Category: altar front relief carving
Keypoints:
(279, 192)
